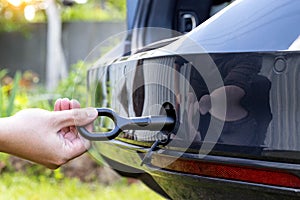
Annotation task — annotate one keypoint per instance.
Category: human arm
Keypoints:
(45, 137)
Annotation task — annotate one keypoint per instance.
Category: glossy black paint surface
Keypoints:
(271, 98)
(263, 25)
(242, 68)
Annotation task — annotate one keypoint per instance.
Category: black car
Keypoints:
(208, 113)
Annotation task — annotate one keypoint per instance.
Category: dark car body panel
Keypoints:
(180, 185)
(247, 26)
(251, 45)
(271, 146)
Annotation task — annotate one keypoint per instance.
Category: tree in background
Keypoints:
(56, 63)
(16, 14)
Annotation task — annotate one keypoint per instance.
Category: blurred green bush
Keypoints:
(8, 93)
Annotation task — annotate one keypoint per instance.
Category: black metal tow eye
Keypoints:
(152, 123)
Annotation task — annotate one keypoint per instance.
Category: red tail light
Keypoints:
(231, 172)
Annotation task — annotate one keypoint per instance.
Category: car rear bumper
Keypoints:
(179, 184)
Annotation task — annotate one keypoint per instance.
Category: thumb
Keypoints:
(75, 117)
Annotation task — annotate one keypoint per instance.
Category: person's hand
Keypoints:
(66, 104)
(45, 137)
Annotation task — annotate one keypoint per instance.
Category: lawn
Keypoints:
(19, 186)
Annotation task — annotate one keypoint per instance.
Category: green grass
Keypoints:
(19, 186)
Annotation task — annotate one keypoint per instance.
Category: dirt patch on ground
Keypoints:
(83, 168)
(87, 170)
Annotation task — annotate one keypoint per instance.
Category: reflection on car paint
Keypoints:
(248, 115)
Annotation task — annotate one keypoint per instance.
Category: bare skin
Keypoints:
(47, 137)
